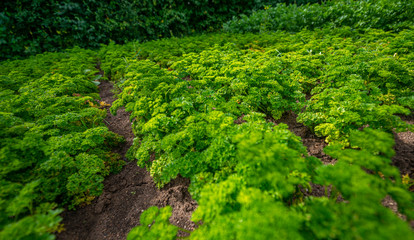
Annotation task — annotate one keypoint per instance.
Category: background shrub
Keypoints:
(29, 27)
(364, 14)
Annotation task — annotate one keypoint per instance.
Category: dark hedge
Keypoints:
(29, 27)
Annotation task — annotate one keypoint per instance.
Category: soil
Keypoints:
(126, 194)
(404, 149)
(313, 143)
(240, 120)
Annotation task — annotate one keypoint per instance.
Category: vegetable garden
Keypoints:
(211, 108)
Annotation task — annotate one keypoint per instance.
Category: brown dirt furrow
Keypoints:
(313, 143)
(404, 153)
(404, 149)
(126, 194)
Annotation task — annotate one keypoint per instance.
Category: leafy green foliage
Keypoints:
(54, 149)
(176, 113)
(362, 191)
(206, 108)
(37, 226)
(249, 178)
(32, 27)
(249, 208)
(355, 80)
(116, 58)
(359, 87)
(246, 213)
(363, 14)
(154, 225)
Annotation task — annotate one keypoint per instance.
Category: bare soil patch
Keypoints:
(313, 143)
(404, 149)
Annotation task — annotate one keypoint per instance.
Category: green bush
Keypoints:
(364, 14)
(29, 27)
